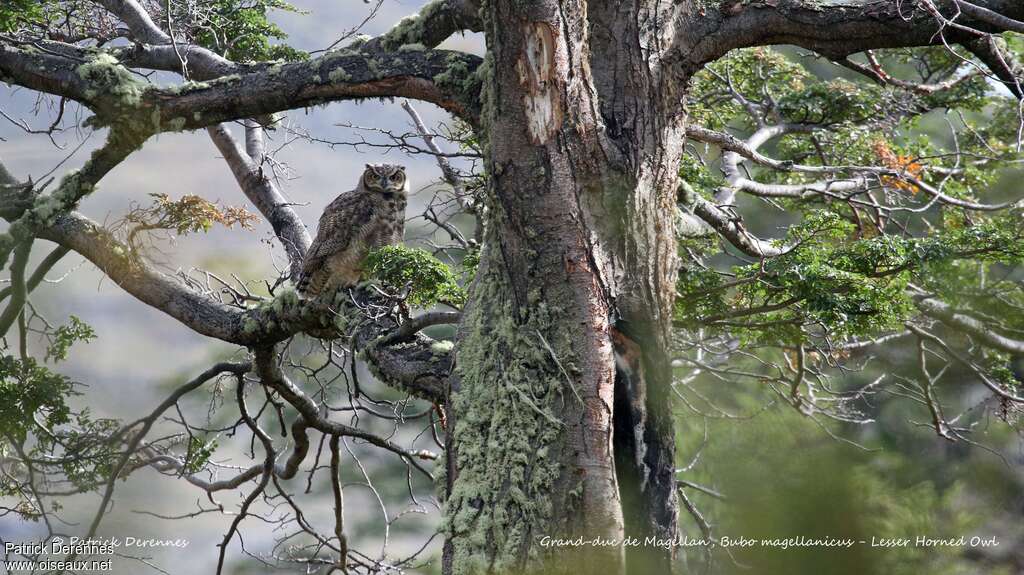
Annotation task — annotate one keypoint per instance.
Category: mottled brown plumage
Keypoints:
(355, 223)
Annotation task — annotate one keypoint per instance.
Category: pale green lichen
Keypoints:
(456, 74)
(339, 75)
(224, 79)
(186, 87)
(358, 41)
(250, 326)
(284, 300)
(271, 314)
(409, 28)
(412, 29)
(508, 431)
(107, 77)
(373, 67)
(414, 47)
(44, 212)
(442, 347)
(46, 209)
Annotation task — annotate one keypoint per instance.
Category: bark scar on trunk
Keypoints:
(536, 66)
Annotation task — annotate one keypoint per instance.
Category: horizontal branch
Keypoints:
(402, 63)
(877, 73)
(101, 81)
(441, 77)
(983, 14)
(837, 28)
(860, 178)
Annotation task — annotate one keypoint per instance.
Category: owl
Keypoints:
(354, 224)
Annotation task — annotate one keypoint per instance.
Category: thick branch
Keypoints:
(398, 64)
(49, 72)
(203, 64)
(441, 77)
(434, 24)
(983, 14)
(836, 28)
(999, 62)
(729, 227)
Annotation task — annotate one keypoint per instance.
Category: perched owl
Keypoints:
(354, 224)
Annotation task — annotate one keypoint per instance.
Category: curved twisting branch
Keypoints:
(835, 29)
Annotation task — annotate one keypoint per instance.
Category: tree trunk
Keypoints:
(559, 419)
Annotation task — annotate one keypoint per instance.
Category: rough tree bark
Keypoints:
(559, 408)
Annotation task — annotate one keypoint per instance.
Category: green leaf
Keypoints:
(428, 280)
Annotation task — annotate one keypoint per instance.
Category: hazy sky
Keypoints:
(139, 349)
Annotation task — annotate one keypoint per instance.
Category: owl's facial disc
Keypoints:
(385, 177)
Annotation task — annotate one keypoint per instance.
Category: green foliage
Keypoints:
(189, 214)
(67, 335)
(14, 14)
(198, 454)
(849, 287)
(697, 175)
(752, 73)
(843, 275)
(427, 279)
(30, 392)
(834, 102)
(88, 456)
(242, 31)
(852, 267)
